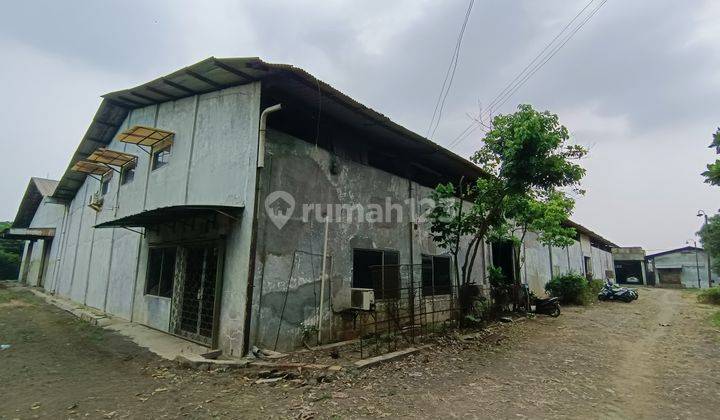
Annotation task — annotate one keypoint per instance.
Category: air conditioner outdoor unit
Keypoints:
(362, 299)
(96, 201)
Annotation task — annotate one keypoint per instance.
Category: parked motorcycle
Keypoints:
(548, 306)
(614, 292)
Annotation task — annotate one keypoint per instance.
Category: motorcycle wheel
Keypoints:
(555, 312)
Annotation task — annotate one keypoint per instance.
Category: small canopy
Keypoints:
(145, 136)
(90, 168)
(111, 157)
(27, 234)
(164, 215)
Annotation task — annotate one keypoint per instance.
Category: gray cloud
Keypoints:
(638, 84)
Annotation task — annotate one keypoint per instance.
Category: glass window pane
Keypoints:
(152, 283)
(168, 272)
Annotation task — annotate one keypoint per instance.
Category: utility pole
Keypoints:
(697, 260)
(707, 254)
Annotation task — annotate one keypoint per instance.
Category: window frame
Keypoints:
(157, 164)
(105, 183)
(380, 293)
(435, 289)
(131, 166)
(161, 270)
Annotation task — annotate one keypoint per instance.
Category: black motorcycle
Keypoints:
(548, 306)
(614, 292)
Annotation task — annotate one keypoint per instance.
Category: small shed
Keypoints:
(686, 267)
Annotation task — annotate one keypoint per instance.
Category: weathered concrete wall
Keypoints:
(212, 163)
(40, 261)
(289, 260)
(24, 262)
(536, 270)
(689, 265)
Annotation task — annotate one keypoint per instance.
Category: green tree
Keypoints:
(712, 175)
(710, 239)
(530, 166)
(10, 254)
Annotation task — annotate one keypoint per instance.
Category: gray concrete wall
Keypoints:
(212, 163)
(536, 269)
(289, 259)
(48, 215)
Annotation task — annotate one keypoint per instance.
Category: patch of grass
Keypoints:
(711, 296)
(9, 295)
(6, 295)
(89, 332)
(715, 319)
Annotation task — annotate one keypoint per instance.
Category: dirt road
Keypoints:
(654, 358)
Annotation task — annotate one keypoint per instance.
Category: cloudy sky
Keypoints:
(638, 85)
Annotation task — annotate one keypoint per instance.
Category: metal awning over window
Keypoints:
(171, 214)
(90, 168)
(146, 136)
(27, 234)
(111, 157)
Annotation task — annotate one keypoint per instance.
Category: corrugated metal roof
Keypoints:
(582, 229)
(37, 189)
(676, 250)
(218, 73)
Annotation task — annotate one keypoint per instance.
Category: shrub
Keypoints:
(570, 288)
(501, 288)
(593, 288)
(711, 296)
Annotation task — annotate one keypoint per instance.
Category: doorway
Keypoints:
(503, 256)
(198, 298)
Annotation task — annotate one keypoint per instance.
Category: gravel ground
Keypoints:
(654, 358)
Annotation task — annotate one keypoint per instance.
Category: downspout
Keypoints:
(253, 232)
(262, 133)
(411, 237)
(323, 279)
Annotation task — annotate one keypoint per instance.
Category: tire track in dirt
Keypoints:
(637, 374)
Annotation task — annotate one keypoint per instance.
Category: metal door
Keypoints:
(198, 303)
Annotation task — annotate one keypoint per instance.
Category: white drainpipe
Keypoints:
(263, 128)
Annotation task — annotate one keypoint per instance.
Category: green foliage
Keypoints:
(501, 288)
(482, 312)
(710, 238)
(711, 296)
(712, 175)
(530, 165)
(591, 292)
(571, 288)
(10, 255)
(715, 319)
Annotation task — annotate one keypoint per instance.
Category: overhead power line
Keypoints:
(449, 76)
(545, 55)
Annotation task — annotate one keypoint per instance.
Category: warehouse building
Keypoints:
(237, 202)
